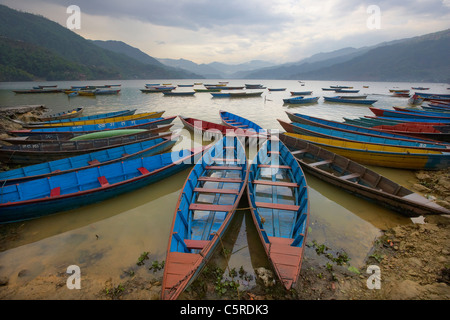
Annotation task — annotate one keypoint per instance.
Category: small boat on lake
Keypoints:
(178, 93)
(106, 115)
(342, 99)
(301, 93)
(382, 156)
(359, 180)
(48, 195)
(345, 91)
(63, 115)
(145, 115)
(279, 203)
(245, 94)
(27, 154)
(204, 210)
(301, 100)
(150, 147)
(237, 122)
(277, 89)
(380, 112)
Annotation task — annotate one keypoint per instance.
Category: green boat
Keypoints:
(107, 134)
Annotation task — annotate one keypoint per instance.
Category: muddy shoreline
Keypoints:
(412, 263)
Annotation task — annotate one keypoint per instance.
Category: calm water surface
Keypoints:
(106, 238)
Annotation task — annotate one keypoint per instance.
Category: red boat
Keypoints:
(416, 130)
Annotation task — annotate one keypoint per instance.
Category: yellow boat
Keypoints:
(382, 155)
(139, 116)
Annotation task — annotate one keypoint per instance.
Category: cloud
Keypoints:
(242, 30)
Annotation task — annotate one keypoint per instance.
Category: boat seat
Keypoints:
(195, 244)
(93, 162)
(143, 170)
(55, 192)
(299, 151)
(210, 207)
(315, 164)
(222, 191)
(215, 179)
(350, 176)
(103, 181)
(274, 166)
(223, 168)
(276, 183)
(224, 160)
(277, 206)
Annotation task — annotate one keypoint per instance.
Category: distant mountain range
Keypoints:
(35, 48)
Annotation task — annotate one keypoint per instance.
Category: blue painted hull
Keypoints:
(29, 208)
(66, 165)
(301, 100)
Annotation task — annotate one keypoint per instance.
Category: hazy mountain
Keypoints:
(423, 58)
(217, 70)
(47, 38)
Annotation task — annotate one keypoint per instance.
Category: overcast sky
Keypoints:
(236, 31)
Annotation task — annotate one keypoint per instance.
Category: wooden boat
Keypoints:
(139, 116)
(433, 96)
(327, 89)
(382, 156)
(150, 147)
(404, 114)
(359, 180)
(27, 154)
(340, 87)
(65, 133)
(420, 88)
(415, 100)
(254, 86)
(106, 91)
(237, 122)
(301, 93)
(245, 94)
(157, 89)
(353, 97)
(207, 90)
(301, 100)
(362, 130)
(417, 120)
(279, 203)
(185, 85)
(44, 90)
(339, 99)
(277, 89)
(345, 91)
(423, 112)
(206, 206)
(401, 95)
(179, 93)
(220, 95)
(89, 93)
(316, 131)
(63, 115)
(106, 115)
(399, 91)
(210, 130)
(41, 197)
(416, 130)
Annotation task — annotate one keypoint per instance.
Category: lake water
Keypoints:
(107, 238)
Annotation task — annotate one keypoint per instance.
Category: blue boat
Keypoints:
(84, 161)
(279, 202)
(412, 119)
(41, 197)
(205, 208)
(380, 112)
(121, 113)
(301, 100)
(352, 101)
(85, 129)
(220, 95)
(316, 131)
(238, 122)
(329, 124)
